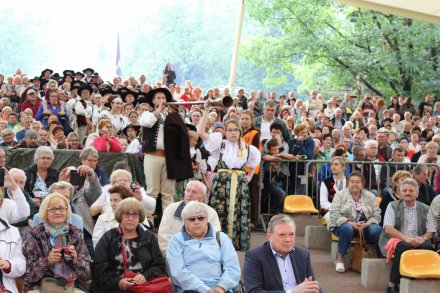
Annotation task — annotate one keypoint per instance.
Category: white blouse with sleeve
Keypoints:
(231, 152)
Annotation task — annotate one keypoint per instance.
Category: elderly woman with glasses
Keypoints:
(353, 209)
(130, 244)
(40, 176)
(199, 258)
(56, 254)
(106, 141)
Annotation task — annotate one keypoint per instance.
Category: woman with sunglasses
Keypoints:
(199, 258)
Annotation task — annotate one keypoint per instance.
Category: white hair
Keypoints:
(194, 207)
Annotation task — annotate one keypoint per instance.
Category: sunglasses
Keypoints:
(198, 218)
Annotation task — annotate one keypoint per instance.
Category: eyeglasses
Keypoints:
(198, 218)
(122, 180)
(54, 210)
(8, 135)
(130, 215)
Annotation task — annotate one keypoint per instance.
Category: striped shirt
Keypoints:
(409, 225)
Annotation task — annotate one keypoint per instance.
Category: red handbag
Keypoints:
(161, 284)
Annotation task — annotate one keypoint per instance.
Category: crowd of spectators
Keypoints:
(57, 215)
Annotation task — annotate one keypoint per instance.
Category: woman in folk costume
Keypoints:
(229, 192)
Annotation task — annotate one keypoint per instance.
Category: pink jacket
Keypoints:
(390, 247)
(113, 145)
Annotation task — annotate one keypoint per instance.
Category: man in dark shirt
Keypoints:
(426, 192)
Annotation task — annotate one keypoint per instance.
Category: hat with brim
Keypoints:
(125, 92)
(136, 128)
(105, 91)
(36, 78)
(95, 74)
(89, 69)
(80, 73)
(55, 76)
(68, 71)
(78, 83)
(150, 95)
(45, 70)
(66, 75)
(84, 87)
(43, 82)
(191, 127)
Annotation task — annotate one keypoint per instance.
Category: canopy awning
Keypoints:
(425, 10)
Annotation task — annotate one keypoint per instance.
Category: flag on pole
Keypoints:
(118, 57)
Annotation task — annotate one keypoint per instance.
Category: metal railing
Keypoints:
(305, 177)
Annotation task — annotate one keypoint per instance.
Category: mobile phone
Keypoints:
(76, 179)
(2, 177)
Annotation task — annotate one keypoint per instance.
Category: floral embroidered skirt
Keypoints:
(236, 222)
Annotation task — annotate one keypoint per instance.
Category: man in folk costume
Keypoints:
(165, 143)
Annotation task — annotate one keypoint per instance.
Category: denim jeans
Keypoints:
(345, 232)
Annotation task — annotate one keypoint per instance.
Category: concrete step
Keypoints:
(317, 237)
(375, 273)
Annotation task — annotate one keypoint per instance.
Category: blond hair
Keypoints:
(48, 199)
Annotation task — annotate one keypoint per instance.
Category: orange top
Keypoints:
(248, 138)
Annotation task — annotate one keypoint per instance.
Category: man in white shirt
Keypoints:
(172, 221)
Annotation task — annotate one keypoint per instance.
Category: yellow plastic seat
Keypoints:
(378, 200)
(420, 264)
(299, 204)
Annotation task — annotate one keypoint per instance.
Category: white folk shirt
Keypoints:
(231, 151)
(148, 119)
(265, 129)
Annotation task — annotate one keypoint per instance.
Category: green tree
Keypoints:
(327, 45)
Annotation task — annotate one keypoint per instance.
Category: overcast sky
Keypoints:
(82, 33)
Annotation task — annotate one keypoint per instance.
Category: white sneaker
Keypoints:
(340, 267)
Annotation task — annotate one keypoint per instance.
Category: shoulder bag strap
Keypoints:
(124, 257)
(362, 238)
(217, 237)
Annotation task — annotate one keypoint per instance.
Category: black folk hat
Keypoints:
(150, 95)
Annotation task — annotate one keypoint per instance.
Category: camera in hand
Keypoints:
(133, 186)
(65, 253)
(76, 179)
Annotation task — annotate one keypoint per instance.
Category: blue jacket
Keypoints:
(201, 265)
(261, 273)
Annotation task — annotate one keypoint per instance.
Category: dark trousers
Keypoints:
(401, 247)
(254, 190)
